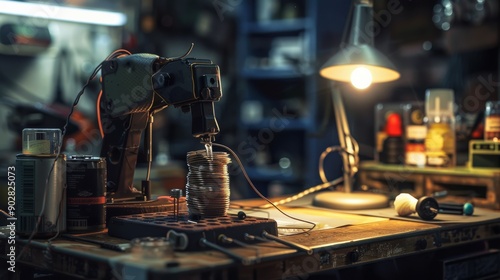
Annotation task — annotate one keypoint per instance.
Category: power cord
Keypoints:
(245, 174)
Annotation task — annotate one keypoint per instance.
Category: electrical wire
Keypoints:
(352, 168)
(326, 184)
(305, 192)
(245, 174)
(344, 42)
(116, 54)
(98, 113)
(179, 57)
(322, 158)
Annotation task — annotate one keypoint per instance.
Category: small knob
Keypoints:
(353, 256)
(242, 215)
(427, 208)
(176, 193)
(421, 244)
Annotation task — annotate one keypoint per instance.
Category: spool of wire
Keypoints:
(207, 187)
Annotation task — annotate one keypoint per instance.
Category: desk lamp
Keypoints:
(361, 64)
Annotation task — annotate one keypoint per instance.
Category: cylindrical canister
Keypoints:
(40, 194)
(86, 193)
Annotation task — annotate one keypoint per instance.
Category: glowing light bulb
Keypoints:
(361, 78)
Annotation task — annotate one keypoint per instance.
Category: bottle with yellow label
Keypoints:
(440, 147)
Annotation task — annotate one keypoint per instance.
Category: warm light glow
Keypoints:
(361, 78)
(63, 13)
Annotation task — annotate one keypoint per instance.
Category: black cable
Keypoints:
(325, 120)
(245, 174)
(347, 26)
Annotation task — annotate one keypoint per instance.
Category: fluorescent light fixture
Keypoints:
(62, 13)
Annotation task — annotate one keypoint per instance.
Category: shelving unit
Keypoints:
(278, 49)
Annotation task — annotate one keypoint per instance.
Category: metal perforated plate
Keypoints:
(160, 223)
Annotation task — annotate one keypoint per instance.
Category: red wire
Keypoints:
(98, 112)
(121, 53)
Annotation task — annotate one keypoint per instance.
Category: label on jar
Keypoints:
(36, 147)
(415, 153)
(492, 127)
(416, 132)
(436, 161)
(440, 145)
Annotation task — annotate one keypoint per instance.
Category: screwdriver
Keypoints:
(456, 208)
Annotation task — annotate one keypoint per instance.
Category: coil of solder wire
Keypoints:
(207, 186)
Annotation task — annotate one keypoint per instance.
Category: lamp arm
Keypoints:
(347, 142)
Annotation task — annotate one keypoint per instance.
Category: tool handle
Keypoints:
(456, 208)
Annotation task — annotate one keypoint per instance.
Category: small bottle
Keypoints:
(492, 121)
(393, 146)
(440, 147)
(416, 131)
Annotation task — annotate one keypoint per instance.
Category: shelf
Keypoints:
(266, 173)
(273, 73)
(291, 124)
(279, 86)
(277, 26)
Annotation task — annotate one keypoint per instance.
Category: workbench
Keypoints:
(370, 248)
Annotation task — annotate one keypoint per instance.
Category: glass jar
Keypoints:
(440, 142)
(492, 121)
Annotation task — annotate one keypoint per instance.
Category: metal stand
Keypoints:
(348, 200)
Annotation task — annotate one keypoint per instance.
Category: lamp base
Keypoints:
(350, 201)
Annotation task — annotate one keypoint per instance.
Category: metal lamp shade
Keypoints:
(340, 66)
(359, 52)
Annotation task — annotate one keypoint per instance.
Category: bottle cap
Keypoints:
(439, 102)
(393, 126)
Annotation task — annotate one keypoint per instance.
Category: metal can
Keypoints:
(86, 193)
(40, 195)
